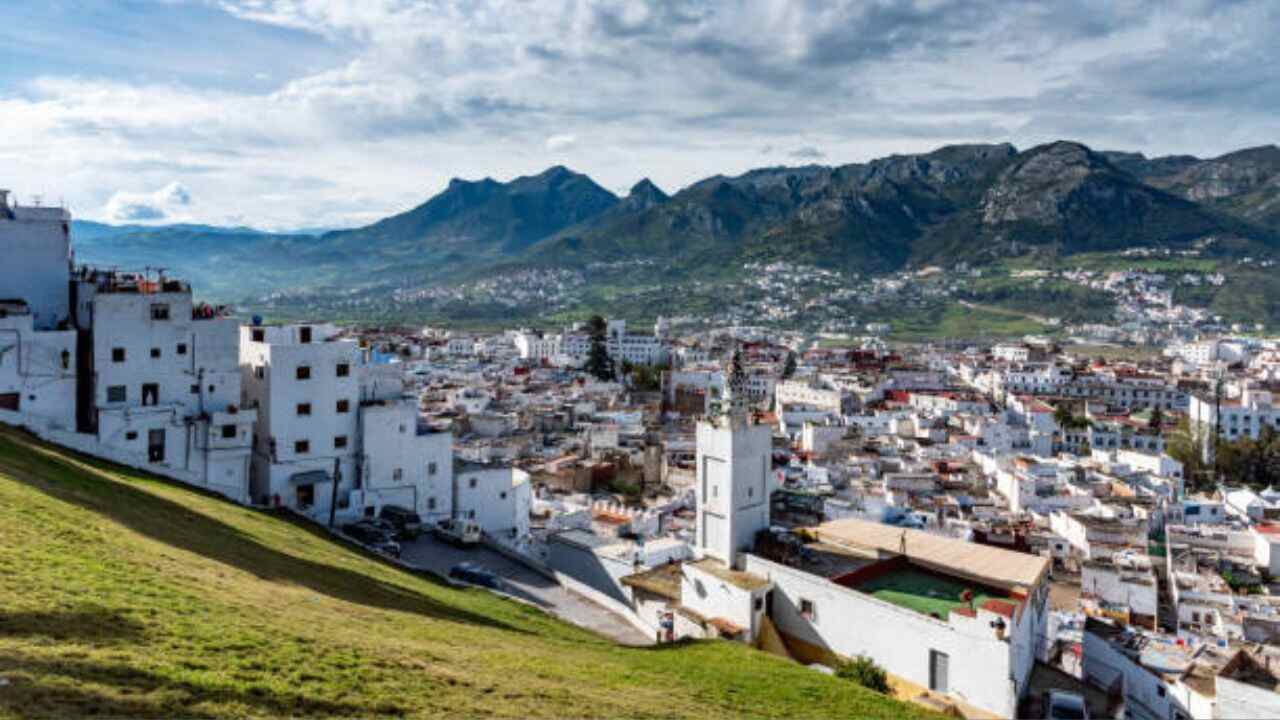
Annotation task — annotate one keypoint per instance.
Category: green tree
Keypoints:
(789, 367)
(1157, 418)
(864, 671)
(599, 363)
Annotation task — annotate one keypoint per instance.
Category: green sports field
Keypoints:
(922, 591)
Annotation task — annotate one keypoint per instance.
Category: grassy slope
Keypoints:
(128, 596)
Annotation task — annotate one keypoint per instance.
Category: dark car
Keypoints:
(476, 575)
(375, 536)
(407, 523)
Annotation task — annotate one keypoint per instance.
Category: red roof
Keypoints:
(1000, 607)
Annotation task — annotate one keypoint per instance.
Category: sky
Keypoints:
(287, 114)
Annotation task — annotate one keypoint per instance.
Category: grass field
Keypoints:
(921, 591)
(956, 321)
(126, 596)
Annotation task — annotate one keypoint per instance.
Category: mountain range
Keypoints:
(970, 203)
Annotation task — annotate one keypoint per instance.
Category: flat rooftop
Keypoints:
(927, 593)
(982, 564)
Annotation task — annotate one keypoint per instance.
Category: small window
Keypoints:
(431, 468)
(339, 442)
(304, 334)
(155, 353)
(431, 503)
(1160, 690)
(344, 406)
(807, 610)
(131, 435)
(228, 432)
(117, 393)
(302, 447)
(160, 311)
(344, 369)
(502, 495)
(195, 389)
(260, 372)
(304, 408)
(150, 393)
(715, 491)
(182, 348)
(397, 474)
(471, 482)
(402, 428)
(117, 355)
(211, 389)
(259, 335)
(304, 372)
(471, 514)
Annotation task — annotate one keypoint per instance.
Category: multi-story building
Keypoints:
(159, 377)
(1244, 416)
(336, 428)
(36, 243)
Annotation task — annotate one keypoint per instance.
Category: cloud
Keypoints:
(383, 101)
(560, 143)
(808, 152)
(168, 203)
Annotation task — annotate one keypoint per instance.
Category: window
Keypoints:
(715, 491)
(471, 514)
(116, 393)
(401, 429)
(260, 372)
(339, 442)
(502, 495)
(131, 435)
(807, 610)
(397, 474)
(259, 335)
(1160, 690)
(117, 355)
(431, 503)
(431, 468)
(471, 482)
(344, 406)
(304, 372)
(302, 447)
(155, 353)
(211, 389)
(304, 334)
(150, 393)
(304, 408)
(195, 389)
(228, 432)
(344, 369)
(182, 348)
(160, 311)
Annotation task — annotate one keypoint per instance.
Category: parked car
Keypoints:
(459, 532)
(1062, 705)
(408, 524)
(476, 575)
(374, 536)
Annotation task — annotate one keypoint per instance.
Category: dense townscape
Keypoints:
(1027, 527)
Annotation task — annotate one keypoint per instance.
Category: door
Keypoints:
(938, 662)
(155, 445)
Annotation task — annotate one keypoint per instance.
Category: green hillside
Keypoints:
(123, 595)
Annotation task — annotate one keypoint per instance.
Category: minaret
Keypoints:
(734, 465)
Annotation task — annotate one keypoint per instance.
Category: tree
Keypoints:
(1157, 418)
(599, 363)
(864, 671)
(789, 367)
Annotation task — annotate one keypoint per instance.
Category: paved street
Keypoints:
(526, 584)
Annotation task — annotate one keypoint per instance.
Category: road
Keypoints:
(525, 584)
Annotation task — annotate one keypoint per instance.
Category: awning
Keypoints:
(310, 477)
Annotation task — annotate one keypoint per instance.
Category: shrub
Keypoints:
(864, 671)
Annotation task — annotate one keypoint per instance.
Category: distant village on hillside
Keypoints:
(1012, 529)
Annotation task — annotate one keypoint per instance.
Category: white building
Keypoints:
(734, 463)
(1244, 416)
(37, 368)
(161, 379)
(36, 245)
(497, 497)
(325, 411)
